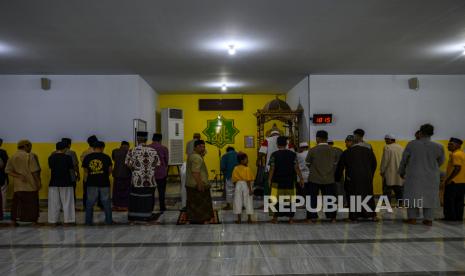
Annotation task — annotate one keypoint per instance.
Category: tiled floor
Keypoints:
(387, 248)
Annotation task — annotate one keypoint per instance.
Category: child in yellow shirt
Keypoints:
(242, 178)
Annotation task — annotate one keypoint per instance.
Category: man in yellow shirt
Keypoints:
(454, 183)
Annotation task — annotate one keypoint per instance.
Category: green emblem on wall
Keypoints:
(220, 131)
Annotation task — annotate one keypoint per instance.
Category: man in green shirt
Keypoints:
(199, 201)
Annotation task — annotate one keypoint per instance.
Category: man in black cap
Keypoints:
(60, 188)
(142, 161)
(454, 190)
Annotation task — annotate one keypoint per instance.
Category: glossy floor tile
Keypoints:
(384, 248)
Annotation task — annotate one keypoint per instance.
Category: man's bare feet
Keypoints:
(237, 222)
(291, 221)
(274, 220)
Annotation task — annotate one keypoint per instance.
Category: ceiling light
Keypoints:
(452, 48)
(218, 85)
(4, 48)
(231, 50)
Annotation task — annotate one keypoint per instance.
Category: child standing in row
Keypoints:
(242, 178)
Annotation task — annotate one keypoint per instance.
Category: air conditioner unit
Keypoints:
(172, 129)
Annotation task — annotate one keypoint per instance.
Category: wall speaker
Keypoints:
(45, 83)
(413, 83)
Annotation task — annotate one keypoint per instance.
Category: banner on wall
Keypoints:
(220, 131)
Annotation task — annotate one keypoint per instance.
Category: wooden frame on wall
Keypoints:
(249, 141)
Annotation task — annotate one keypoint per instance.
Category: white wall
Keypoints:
(75, 106)
(383, 104)
(147, 105)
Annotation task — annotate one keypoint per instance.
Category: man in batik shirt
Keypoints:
(142, 160)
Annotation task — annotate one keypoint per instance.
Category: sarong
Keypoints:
(25, 207)
(199, 205)
(121, 192)
(141, 202)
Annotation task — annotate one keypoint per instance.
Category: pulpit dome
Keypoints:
(276, 105)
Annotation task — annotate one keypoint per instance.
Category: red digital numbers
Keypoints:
(319, 119)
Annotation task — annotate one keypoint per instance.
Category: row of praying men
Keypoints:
(136, 172)
(411, 174)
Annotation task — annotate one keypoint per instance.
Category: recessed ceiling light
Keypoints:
(4, 48)
(233, 45)
(222, 84)
(231, 50)
(452, 48)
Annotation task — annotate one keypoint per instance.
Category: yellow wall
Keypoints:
(196, 121)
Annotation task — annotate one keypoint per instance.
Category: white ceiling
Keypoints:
(180, 46)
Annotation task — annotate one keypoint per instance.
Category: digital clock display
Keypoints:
(321, 119)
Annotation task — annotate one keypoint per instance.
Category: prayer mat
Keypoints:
(183, 219)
